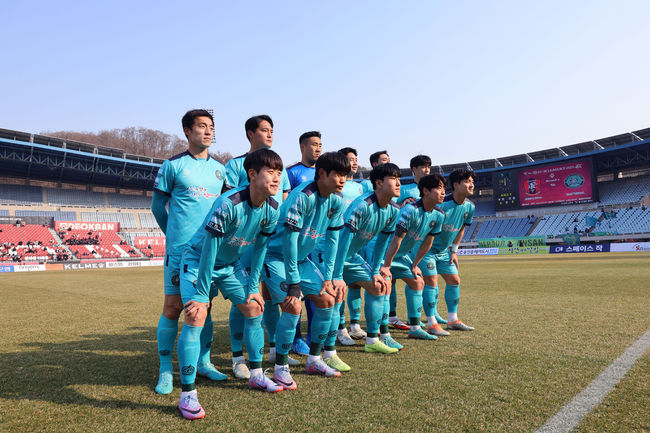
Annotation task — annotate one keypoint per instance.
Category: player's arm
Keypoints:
(454, 247)
(380, 249)
(158, 208)
(209, 250)
(424, 248)
(393, 247)
(290, 256)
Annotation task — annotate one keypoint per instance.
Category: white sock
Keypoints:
(256, 372)
(272, 352)
(312, 358)
(381, 336)
(415, 328)
(278, 367)
(186, 393)
(341, 331)
(372, 340)
(431, 320)
(452, 317)
(327, 354)
(392, 319)
(355, 327)
(238, 359)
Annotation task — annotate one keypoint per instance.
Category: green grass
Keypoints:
(78, 354)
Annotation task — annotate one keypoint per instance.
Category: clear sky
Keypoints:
(457, 80)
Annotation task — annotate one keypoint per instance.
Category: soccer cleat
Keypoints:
(440, 319)
(292, 362)
(459, 326)
(421, 334)
(299, 347)
(319, 367)
(422, 325)
(379, 347)
(190, 407)
(344, 337)
(165, 383)
(396, 323)
(240, 370)
(389, 341)
(437, 331)
(337, 363)
(283, 378)
(357, 333)
(263, 383)
(209, 371)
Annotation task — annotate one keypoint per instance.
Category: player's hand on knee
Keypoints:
(328, 288)
(256, 297)
(454, 259)
(385, 273)
(194, 310)
(417, 272)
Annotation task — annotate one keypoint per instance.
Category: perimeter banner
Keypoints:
(524, 250)
(86, 225)
(527, 241)
(630, 247)
(478, 251)
(591, 248)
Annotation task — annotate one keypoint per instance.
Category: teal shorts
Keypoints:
(437, 263)
(402, 267)
(230, 280)
(273, 275)
(355, 269)
(171, 274)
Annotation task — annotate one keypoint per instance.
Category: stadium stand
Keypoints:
(20, 194)
(29, 242)
(97, 244)
(126, 220)
(4, 212)
(622, 193)
(505, 227)
(147, 221)
(71, 197)
(128, 201)
(57, 215)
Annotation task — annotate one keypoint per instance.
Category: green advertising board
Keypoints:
(528, 241)
(524, 250)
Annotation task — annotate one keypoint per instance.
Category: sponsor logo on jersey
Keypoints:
(330, 212)
(219, 174)
(200, 191)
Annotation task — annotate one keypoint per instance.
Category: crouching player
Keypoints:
(372, 214)
(442, 258)
(241, 217)
(418, 223)
(312, 211)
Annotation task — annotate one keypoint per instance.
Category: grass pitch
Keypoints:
(78, 354)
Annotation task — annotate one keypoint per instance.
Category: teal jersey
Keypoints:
(364, 220)
(305, 218)
(408, 191)
(231, 227)
(367, 186)
(456, 217)
(236, 176)
(351, 190)
(416, 223)
(192, 186)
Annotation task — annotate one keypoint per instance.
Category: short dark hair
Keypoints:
(374, 158)
(381, 171)
(457, 176)
(332, 161)
(347, 150)
(188, 119)
(431, 181)
(252, 123)
(307, 135)
(262, 158)
(420, 160)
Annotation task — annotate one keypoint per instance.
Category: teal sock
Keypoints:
(392, 311)
(435, 301)
(452, 296)
(428, 300)
(254, 336)
(286, 330)
(342, 315)
(373, 309)
(413, 305)
(166, 335)
(320, 328)
(354, 305)
(384, 316)
(189, 346)
(330, 341)
(236, 323)
(271, 317)
(206, 341)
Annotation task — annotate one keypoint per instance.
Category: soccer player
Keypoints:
(241, 217)
(442, 257)
(310, 149)
(259, 132)
(418, 223)
(351, 191)
(409, 193)
(189, 182)
(311, 212)
(380, 157)
(373, 214)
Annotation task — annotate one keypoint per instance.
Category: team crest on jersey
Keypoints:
(218, 174)
(330, 212)
(431, 224)
(389, 220)
(465, 215)
(431, 266)
(176, 280)
(283, 286)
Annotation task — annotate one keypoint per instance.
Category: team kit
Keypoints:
(276, 240)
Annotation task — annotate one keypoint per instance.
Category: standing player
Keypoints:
(409, 193)
(351, 191)
(310, 149)
(380, 157)
(442, 258)
(259, 132)
(189, 182)
(312, 212)
(371, 215)
(239, 218)
(418, 223)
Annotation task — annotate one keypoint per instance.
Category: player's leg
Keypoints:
(354, 305)
(205, 368)
(429, 269)
(343, 336)
(413, 293)
(449, 273)
(393, 320)
(374, 309)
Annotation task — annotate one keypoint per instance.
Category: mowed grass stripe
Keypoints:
(79, 354)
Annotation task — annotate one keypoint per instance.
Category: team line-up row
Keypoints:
(307, 232)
